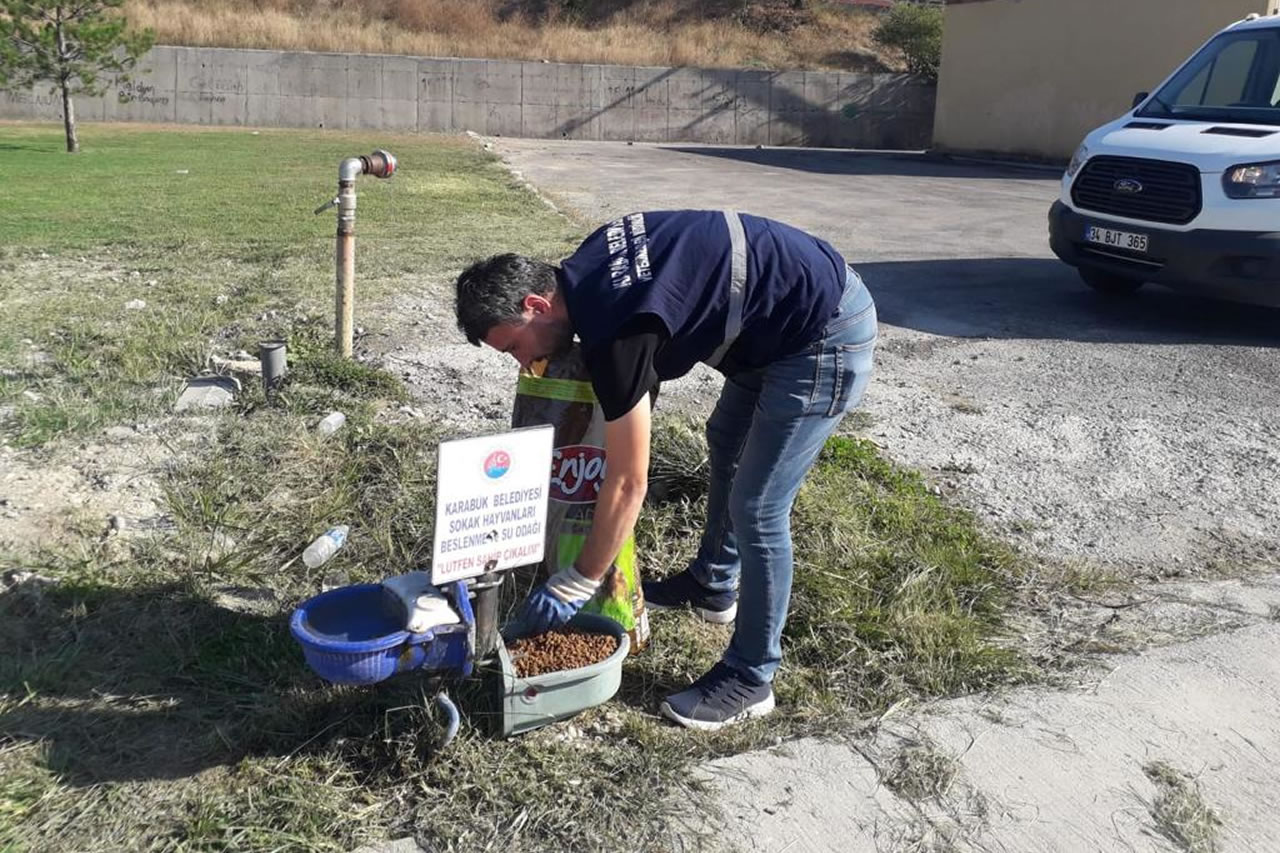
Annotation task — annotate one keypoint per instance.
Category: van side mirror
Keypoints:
(1139, 98)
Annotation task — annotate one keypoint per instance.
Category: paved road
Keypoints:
(1143, 433)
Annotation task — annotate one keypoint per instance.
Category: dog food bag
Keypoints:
(557, 391)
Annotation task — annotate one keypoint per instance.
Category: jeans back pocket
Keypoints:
(851, 371)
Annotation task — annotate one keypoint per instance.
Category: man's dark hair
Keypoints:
(492, 291)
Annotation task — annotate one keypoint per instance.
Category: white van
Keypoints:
(1184, 190)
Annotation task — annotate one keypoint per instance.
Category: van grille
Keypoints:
(1170, 192)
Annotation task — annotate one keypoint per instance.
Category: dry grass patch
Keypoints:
(647, 32)
(921, 772)
(1180, 811)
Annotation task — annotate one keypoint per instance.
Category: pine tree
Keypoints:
(71, 44)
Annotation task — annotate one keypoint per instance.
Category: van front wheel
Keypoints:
(1110, 283)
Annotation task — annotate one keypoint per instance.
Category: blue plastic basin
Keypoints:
(353, 635)
(350, 635)
(357, 618)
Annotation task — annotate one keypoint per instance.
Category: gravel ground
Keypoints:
(1139, 434)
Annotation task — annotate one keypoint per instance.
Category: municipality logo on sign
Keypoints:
(496, 464)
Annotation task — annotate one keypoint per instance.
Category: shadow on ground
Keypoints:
(19, 146)
(157, 683)
(1043, 298)
(871, 163)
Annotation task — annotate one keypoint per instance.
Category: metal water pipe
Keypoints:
(380, 164)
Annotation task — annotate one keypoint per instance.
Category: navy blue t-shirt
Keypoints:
(675, 266)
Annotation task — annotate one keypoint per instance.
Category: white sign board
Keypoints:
(491, 503)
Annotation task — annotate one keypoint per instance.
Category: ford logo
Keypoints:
(1128, 186)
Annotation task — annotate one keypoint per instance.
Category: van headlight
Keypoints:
(1077, 161)
(1253, 180)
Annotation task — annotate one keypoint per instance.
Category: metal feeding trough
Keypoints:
(357, 635)
(528, 703)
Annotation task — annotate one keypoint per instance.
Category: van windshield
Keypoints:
(1235, 78)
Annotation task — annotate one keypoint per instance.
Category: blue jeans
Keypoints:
(765, 433)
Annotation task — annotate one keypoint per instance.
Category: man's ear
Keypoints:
(536, 303)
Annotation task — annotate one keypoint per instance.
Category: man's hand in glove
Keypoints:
(552, 604)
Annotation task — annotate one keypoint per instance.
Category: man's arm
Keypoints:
(625, 374)
(626, 478)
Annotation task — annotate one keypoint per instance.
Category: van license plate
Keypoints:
(1116, 239)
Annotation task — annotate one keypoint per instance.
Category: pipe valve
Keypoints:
(380, 164)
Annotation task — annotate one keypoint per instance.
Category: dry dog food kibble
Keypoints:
(559, 650)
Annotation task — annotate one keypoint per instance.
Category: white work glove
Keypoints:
(569, 584)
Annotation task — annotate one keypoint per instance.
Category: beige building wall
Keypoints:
(1032, 77)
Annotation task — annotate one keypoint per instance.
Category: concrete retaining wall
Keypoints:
(506, 98)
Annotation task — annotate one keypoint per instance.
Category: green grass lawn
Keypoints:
(137, 712)
(214, 230)
(235, 190)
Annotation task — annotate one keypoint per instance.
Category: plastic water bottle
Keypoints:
(332, 423)
(325, 546)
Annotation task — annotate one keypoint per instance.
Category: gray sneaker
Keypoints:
(719, 698)
(719, 608)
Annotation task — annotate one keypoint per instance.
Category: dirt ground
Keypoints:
(1043, 770)
(106, 486)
